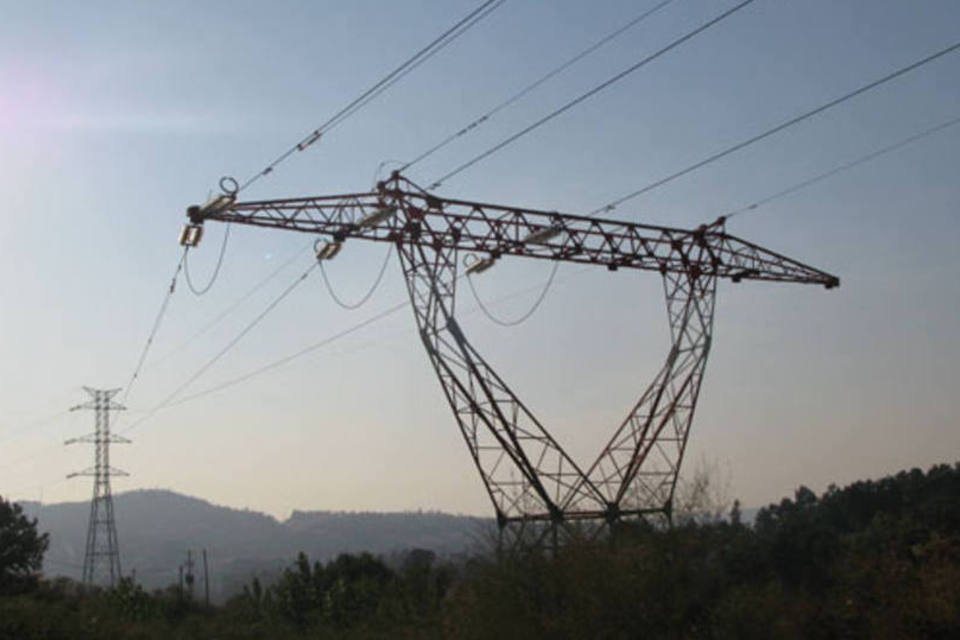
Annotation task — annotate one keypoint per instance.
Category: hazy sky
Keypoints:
(114, 116)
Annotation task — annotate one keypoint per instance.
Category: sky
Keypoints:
(115, 116)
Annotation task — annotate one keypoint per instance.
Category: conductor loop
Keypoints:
(229, 186)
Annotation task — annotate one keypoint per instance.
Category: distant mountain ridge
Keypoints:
(157, 527)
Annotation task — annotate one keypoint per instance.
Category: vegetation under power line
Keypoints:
(875, 559)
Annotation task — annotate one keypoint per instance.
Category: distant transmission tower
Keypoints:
(101, 562)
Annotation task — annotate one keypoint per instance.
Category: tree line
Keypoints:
(875, 559)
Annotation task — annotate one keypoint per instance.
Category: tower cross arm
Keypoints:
(100, 398)
(96, 473)
(399, 211)
(94, 438)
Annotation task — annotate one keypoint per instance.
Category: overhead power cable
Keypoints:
(296, 355)
(453, 36)
(780, 127)
(33, 425)
(592, 92)
(526, 316)
(37, 486)
(305, 351)
(233, 307)
(846, 166)
(36, 453)
(474, 124)
(156, 325)
(411, 63)
(216, 268)
(226, 349)
(63, 563)
(359, 303)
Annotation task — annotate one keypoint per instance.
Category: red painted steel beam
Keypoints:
(403, 212)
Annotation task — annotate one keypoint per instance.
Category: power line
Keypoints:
(156, 325)
(380, 166)
(207, 365)
(37, 452)
(473, 125)
(328, 340)
(433, 52)
(38, 423)
(309, 349)
(221, 316)
(846, 166)
(216, 268)
(35, 485)
(363, 299)
(170, 401)
(226, 349)
(31, 456)
(233, 307)
(523, 318)
(411, 63)
(62, 563)
(296, 355)
(780, 127)
(600, 87)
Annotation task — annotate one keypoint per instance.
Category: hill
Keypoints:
(157, 527)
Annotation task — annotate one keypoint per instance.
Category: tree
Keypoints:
(21, 548)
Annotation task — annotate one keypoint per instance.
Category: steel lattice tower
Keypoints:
(530, 478)
(101, 560)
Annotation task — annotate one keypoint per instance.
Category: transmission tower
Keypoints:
(530, 478)
(101, 560)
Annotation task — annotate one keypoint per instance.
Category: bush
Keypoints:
(21, 549)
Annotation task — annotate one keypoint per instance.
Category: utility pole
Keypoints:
(101, 560)
(206, 580)
(188, 576)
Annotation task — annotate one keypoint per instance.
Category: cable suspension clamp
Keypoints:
(309, 140)
(374, 218)
(543, 234)
(191, 234)
(327, 250)
(477, 265)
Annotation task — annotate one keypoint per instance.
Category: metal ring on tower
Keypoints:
(229, 186)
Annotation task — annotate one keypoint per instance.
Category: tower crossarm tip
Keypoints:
(101, 438)
(740, 260)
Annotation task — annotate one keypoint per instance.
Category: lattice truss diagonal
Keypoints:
(527, 474)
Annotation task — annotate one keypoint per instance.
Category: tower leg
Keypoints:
(91, 546)
(528, 476)
(637, 470)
